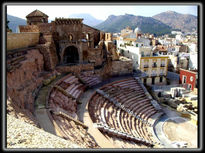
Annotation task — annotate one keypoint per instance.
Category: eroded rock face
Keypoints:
(22, 82)
(50, 57)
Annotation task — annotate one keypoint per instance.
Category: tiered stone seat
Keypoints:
(58, 100)
(64, 95)
(89, 78)
(72, 86)
(131, 96)
(115, 120)
(69, 129)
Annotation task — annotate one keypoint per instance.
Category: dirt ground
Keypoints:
(181, 131)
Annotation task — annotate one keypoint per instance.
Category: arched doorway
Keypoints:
(70, 55)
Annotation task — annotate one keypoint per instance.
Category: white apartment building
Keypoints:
(193, 61)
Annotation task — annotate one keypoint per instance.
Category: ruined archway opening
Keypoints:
(71, 56)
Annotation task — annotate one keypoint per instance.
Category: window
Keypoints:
(189, 87)
(163, 63)
(153, 80)
(146, 64)
(191, 78)
(88, 36)
(44, 20)
(161, 72)
(183, 79)
(154, 64)
(161, 79)
(70, 37)
(145, 80)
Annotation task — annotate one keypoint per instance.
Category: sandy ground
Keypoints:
(24, 135)
(181, 131)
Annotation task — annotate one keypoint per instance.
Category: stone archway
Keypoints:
(70, 55)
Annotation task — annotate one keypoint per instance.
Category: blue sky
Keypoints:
(99, 11)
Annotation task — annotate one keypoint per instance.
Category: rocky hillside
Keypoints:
(146, 24)
(87, 19)
(184, 22)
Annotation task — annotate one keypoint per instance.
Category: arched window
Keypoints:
(70, 37)
(88, 36)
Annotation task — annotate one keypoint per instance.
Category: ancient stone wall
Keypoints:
(46, 28)
(95, 56)
(49, 55)
(111, 49)
(108, 37)
(22, 40)
(75, 69)
(23, 82)
(34, 20)
(94, 34)
(48, 48)
(119, 67)
(65, 30)
(29, 28)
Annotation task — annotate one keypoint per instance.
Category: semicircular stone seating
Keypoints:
(89, 78)
(64, 95)
(123, 110)
(68, 129)
(62, 105)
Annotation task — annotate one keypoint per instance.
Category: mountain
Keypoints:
(87, 19)
(14, 22)
(146, 24)
(184, 22)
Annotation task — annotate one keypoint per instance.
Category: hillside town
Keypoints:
(167, 64)
(159, 55)
(70, 85)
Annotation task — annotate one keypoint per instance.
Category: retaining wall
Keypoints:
(22, 40)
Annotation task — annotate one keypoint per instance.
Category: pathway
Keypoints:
(83, 114)
(158, 126)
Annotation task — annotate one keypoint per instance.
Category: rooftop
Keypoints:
(36, 13)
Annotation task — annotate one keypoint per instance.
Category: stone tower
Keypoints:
(36, 17)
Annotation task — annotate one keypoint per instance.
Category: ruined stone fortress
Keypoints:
(67, 78)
